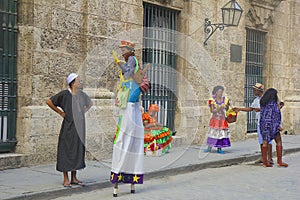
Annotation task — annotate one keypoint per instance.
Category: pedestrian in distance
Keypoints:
(258, 90)
(270, 120)
(128, 146)
(218, 134)
(71, 104)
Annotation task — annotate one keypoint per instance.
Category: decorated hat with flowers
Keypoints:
(125, 43)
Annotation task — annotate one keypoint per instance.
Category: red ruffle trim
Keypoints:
(218, 124)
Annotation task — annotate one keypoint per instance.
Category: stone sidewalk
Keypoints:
(44, 182)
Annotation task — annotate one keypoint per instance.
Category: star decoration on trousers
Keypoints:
(112, 176)
(120, 177)
(136, 178)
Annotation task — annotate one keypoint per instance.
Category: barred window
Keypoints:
(160, 25)
(255, 44)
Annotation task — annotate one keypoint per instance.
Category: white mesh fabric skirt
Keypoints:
(128, 149)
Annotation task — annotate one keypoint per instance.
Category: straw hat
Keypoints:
(258, 86)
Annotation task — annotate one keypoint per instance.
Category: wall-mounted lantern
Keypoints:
(231, 15)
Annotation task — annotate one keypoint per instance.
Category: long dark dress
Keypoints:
(71, 142)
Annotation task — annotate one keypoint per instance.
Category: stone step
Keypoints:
(12, 160)
(177, 141)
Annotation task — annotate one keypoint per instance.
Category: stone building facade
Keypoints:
(58, 37)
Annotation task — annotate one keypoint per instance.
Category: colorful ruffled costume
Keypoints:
(161, 135)
(218, 134)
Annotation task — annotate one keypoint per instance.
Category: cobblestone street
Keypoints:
(245, 181)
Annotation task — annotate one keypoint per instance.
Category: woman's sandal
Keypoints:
(67, 185)
(78, 183)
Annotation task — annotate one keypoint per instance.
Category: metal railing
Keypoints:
(8, 71)
(255, 44)
(159, 44)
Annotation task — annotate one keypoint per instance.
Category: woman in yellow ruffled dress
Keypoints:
(155, 132)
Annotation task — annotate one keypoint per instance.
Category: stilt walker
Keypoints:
(128, 147)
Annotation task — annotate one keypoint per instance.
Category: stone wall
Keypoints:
(281, 69)
(206, 66)
(280, 19)
(58, 37)
(287, 68)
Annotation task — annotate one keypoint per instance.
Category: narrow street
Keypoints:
(246, 181)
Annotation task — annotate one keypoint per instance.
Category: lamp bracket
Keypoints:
(210, 28)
